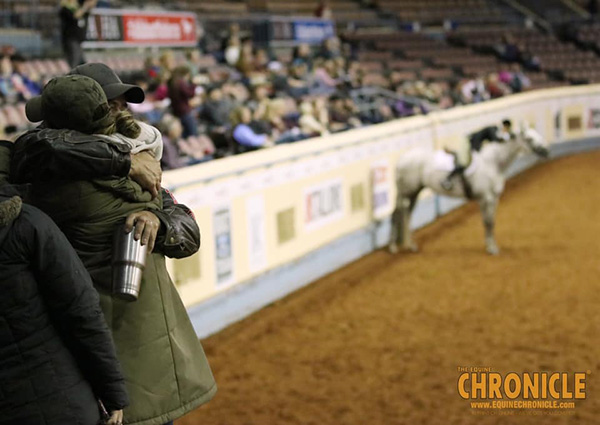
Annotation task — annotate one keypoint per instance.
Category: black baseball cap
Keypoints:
(107, 78)
(110, 82)
(74, 102)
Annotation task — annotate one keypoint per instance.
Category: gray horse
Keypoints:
(419, 168)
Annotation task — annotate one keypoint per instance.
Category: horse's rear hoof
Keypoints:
(493, 250)
(393, 249)
(412, 247)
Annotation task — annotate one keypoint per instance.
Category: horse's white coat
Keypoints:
(421, 168)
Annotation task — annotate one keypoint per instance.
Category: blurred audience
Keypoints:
(243, 134)
(241, 98)
(184, 99)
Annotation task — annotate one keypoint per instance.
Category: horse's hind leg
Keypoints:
(488, 213)
(408, 206)
(395, 232)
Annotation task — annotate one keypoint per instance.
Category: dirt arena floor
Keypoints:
(379, 342)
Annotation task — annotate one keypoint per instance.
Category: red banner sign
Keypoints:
(164, 28)
(122, 28)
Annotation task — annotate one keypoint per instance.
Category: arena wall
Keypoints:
(275, 220)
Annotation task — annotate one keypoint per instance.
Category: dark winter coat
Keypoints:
(56, 351)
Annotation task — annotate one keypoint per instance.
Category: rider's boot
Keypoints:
(447, 182)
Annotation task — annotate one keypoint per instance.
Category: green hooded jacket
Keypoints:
(165, 368)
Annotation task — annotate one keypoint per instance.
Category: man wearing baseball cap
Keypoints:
(114, 89)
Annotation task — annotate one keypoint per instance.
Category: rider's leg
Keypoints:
(461, 159)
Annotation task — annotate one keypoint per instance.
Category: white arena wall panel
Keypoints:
(275, 220)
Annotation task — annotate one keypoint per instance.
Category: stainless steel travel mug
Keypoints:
(128, 261)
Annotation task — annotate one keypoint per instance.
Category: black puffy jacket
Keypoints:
(56, 351)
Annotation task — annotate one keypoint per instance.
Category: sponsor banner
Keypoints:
(313, 31)
(257, 237)
(381, 184)
(223, 245)
(323, 203)
(594, 119)
(291, 31)
(122, 28)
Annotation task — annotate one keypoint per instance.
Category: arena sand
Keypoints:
(379, 342)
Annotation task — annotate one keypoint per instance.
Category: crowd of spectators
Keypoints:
(251, 100)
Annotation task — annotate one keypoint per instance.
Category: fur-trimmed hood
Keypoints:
(10, 208)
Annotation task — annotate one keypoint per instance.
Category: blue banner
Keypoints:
(313, 31)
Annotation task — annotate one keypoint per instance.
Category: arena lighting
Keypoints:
(534, 385)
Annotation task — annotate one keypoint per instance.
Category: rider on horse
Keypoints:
(491, 134)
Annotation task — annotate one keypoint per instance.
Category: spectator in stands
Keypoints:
(183, 100)
(236, 91)
(310, 126)
(298, 83)
(232, 37)
(202, 41)
(150, 109)
(330, 48)
(259, 101)
(167, 64)
(58, 357)
(215, 113)
(323, 10)
(495, 87)
(217, 109)
(325, 76)
(519, 81)
(321, 111)
(279, 78)
(152, 67)
(27, 86)
(303, 52)
(179, 152)
(245, 63)
(261, 61)
(197, 148)
(282, 127)
(243, 134)
(342, 114)
(508, 50)
(73, 20)
(473, 90)
(171, 129)
(160, 87)
(447, 97)
(528, 59)
(381, 113)
(232, 52)
(8, 91)
(193, 62)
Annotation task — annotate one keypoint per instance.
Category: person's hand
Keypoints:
(116, 418)
(145, 224)
(145, 170)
